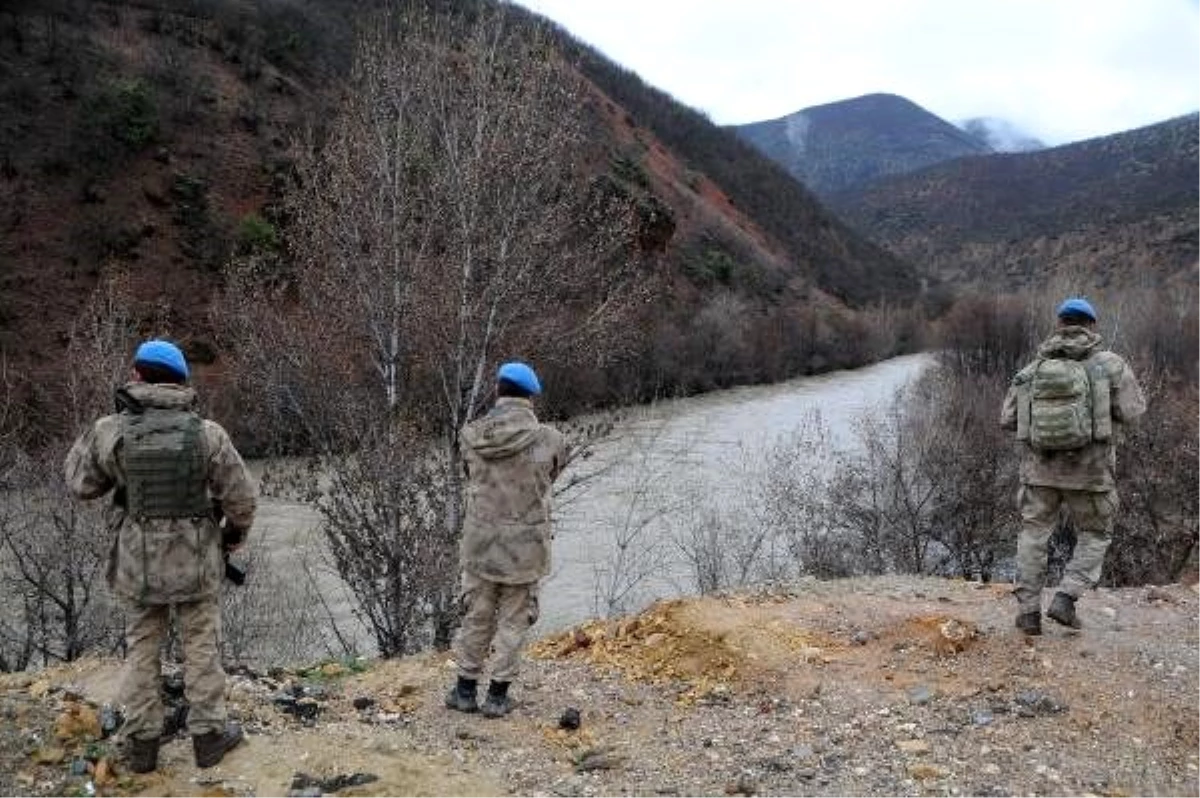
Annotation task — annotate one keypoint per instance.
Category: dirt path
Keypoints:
(868, 687)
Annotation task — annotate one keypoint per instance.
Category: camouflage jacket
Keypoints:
(1093, 467)
(164, 560)
(512, 461)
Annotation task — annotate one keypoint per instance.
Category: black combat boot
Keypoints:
(497, 703)
(1062, 609)
(210, 748)
(462, 696)
(1030, 622)
(141, 755)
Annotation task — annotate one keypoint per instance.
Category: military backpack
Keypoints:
(1063, 404)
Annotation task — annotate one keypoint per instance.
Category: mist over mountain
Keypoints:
(848, 144)
(1001, 135)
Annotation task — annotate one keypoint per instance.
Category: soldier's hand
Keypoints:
(232, 537)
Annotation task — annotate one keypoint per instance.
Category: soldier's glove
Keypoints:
(231, 536)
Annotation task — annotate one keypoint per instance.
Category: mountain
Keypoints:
(1121, 209)
(849, 144)
(153, 139)
(1001, 135)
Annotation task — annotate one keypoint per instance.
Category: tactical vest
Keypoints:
(1063, 404)
(163, 455)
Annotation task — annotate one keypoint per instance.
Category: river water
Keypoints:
(645, 488)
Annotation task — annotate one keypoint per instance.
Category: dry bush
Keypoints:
(53, 550)
(279, 616)
(796, 495)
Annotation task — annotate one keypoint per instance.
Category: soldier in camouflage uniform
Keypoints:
(512, 461)
(168, 472)
(1079, 479)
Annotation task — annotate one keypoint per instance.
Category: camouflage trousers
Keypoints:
(1093, 513)
(496, 616)
(204, 678)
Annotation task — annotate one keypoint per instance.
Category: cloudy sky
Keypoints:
(1060, 70)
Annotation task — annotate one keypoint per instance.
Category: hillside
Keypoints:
(880, 686)
(850, 144)
(1121, 209)
(156, 140)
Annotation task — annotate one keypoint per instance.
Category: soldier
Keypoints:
(1067, 408)
(512, 461)
(170, 473)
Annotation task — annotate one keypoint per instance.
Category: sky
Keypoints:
(1059, 70)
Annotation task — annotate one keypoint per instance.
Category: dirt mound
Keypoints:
(713, 645)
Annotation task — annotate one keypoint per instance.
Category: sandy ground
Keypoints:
(867, 687)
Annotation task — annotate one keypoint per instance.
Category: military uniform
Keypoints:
(512, 461)
(159, 562)
(1082, 479)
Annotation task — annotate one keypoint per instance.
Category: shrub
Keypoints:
(256, 235)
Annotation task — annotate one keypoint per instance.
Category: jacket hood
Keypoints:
(510, 427)
(1074, 342)
(137, 396)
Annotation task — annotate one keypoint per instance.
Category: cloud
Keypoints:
(1062, 70)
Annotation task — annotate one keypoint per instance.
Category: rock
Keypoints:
(1156, 594)
(982, 717)
(306, 709)
(922, 771)
(804, 753)
(860, 638)
(920, 694)
(49, 756)
(743, 786)
(304, 784)
(811, 654)
(79, 767)
(913, 746)
(1109, 612)
(306, 792)
(600, 758)
(111, 719)
(570, 719)
(1031, 702)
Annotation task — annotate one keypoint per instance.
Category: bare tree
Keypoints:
(442, 222)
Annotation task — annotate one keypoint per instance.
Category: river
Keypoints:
(668, 467)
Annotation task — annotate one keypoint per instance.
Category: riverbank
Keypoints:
(880, 686)
(663, 467)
